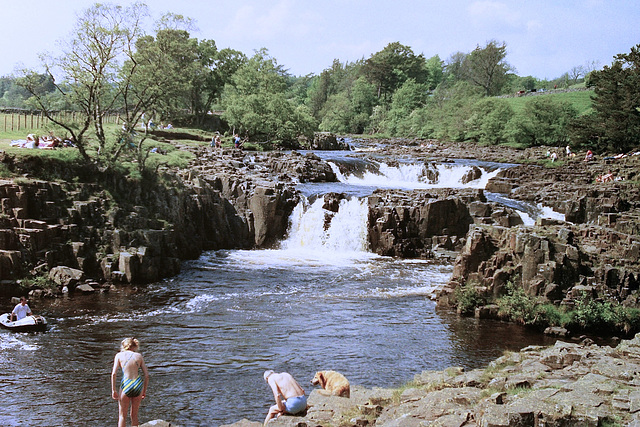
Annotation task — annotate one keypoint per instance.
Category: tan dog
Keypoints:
(333, 382)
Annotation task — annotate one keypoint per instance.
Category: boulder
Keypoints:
(327, 141)
(66, 276)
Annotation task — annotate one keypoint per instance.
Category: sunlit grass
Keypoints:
(581, 100)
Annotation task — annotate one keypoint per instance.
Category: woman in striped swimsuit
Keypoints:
(133, 387)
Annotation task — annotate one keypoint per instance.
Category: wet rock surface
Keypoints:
(230, 198)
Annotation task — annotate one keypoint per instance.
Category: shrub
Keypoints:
(468, 297)
(543, 121)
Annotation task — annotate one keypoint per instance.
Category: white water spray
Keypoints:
(415, 176)
(313, 228)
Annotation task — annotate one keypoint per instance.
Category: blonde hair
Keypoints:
(129, 343)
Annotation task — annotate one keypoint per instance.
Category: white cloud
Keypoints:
(493, 13)
(269, 21)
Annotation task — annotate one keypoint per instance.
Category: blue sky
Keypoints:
(544, 38)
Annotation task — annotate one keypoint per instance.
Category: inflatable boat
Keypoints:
(28, 324)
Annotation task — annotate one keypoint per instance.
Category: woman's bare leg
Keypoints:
(123, 408)
(135, 405)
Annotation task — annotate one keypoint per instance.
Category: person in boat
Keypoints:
(133, 387)
(289, 395)
(21, 310)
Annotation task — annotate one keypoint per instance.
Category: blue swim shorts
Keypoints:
(295, 405)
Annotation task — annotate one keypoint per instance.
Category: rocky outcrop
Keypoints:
(413, 224)
(302, 168)
(327, 141)
(123, 230)
(568, 384)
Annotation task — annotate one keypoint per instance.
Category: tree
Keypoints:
(339, 78)
(453, 68)
(89, 68)
(257, 106)
(167, 65)
(575, 73)
(486, 67)
(337, 114)
(542, 121)
(409, 97)
(363, 100)
(392, 66)
(449, 109)
(435, 72)
(615, 123)
(488, 122)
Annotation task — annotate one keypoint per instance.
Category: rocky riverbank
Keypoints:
(89, 236)
(116, 230)
(568, 384)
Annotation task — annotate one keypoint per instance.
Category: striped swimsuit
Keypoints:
(131, 388)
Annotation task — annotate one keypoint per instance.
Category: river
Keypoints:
(321, 301)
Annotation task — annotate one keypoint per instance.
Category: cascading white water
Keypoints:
(346, 232)
(414, 176)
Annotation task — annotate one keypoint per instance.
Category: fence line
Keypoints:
(14, 121)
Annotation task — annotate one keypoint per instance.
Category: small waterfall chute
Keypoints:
(317, 229)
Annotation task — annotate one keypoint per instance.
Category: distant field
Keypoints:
(581, 100)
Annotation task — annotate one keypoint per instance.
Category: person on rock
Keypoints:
(133, 387)
(288, 394)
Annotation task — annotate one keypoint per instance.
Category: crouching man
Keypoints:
(289, 396)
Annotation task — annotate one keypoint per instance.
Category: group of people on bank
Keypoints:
(216, 141)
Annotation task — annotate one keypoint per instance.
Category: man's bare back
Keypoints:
(288, 394)
(287, 386)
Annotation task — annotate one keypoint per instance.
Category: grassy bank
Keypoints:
(581, 100)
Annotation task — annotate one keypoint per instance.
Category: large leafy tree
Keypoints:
(257, 106)
(615, 123)
(486, 67)
(167, 65)
(213, 70)
(392, 66)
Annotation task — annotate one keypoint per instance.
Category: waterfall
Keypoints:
(313, 228)
(409, 175)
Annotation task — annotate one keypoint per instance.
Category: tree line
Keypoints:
(111, 64)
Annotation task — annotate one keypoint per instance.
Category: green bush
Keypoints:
(543, 121)
(468, 297)
(516, 305)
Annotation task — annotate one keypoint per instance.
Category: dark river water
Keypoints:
(320, 302)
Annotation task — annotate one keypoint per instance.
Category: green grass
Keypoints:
(174, 157)
(581, 100)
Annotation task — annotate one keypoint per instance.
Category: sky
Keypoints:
(544, 38)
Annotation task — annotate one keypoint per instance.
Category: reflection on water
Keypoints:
(208, 334)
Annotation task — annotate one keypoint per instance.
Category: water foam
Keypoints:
(411, 176)
(320, 234)
(8, 342)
